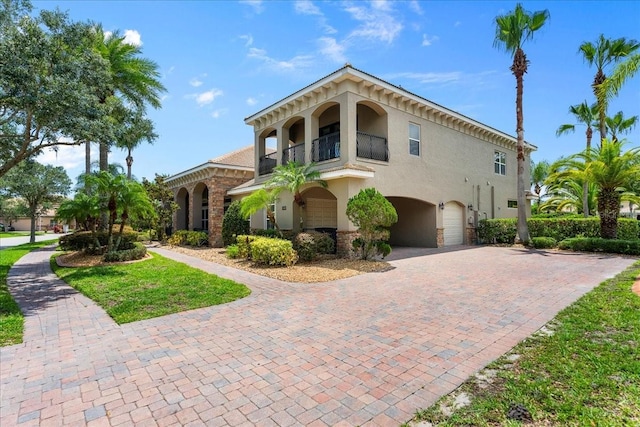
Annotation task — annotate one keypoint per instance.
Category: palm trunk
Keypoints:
(609, 209)
(129, 164)
(519, 68)
(87, 158)
(585, 184)
(104, 166)
(602, 106)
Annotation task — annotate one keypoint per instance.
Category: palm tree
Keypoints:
(292, 176)
(567, 195)
(136, 129)
(601, 54)
(611, 171)
(133, 201)
(587, 115)
(512, 30)
(258, 200)
(133, 78)
(617, 125)
(84, 209)
(623, 72)
(108, 187)
(539, 172)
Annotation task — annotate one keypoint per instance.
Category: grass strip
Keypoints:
(151, 288)
(586, 373)
(11, 318)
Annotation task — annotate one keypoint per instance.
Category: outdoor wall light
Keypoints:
(470, 206)
(441, 205)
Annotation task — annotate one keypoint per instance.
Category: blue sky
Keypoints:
(222, 61)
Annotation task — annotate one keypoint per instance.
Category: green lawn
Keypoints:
(11, 319)
(587, 373)
(151, 288)
(6, 234)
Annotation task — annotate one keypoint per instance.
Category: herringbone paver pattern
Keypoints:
(368, 350)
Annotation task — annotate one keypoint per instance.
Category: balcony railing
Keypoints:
(293, 154)
(372, 147)
(266, 164)
(326, 147)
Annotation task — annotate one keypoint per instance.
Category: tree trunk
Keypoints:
(129, 164)
(87, 157)
(32, 235)
(602, 107)
(519, 68)
(104, 166)
(609, 209)
(585, 184)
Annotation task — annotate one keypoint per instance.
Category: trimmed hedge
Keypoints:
(267, 250)
(137, 252)
(543, 242)
(310, 244)
(81, 240)
(189, 238)
(504, 230)
(593, 244)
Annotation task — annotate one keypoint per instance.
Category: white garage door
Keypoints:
(453, 220)
(322, 213)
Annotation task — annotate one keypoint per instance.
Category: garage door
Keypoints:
(322, 213)
(453, 220)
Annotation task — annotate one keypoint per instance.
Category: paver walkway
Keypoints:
(367, 350)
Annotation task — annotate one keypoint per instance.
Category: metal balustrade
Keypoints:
(372, 147)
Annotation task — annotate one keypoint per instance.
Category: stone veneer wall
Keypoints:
(440, 237)
(471, 236)
(344, 247)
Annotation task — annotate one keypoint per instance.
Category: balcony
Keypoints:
(372, 147)
(293, 154)
(266, 164)
(326, 147)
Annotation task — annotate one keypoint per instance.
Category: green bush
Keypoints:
(497, 230)
(233, 224)
(244, 245)
(310, 244)
(233, 251)
(137, 252)
(189, 238)
(373, 214)
(268, 232)
(592, 244)
(83, 240)
(265, 250)
(628, 229)
(543, 242)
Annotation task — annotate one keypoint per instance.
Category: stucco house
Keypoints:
(441, 170)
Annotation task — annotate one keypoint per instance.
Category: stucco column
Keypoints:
(310, 132)
(348, 119)
(281, 143)
(259, 148)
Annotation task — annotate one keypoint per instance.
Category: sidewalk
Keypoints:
(6, 242)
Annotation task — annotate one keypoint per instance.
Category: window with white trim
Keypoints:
(500, 163)
(414, 139)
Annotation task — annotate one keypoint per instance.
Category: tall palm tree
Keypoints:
(611, 171)
(618, 125)
(623, 72)
(133, 201)
(512, 30)
(601, 54)
(136, 129)
(587, 115)
(292, 176)
(133, 78)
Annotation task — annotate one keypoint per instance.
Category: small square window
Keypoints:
(414, 139)
(500, 163)
(512, 204)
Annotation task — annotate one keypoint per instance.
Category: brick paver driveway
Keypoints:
(368, 350)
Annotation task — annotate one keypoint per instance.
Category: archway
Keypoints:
(182, 215)
(416, 226)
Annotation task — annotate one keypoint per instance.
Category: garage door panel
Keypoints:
(452, 221)
(322, 213)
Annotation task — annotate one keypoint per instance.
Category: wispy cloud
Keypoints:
(217, 113)
(293, 64)
(331, 49)
(248, 38)
(415, 7)
(132, 37)
(457, 24)
(445, 78)
(196, 82)
(307, 7)
(207, 97)
(428, 40)
(376, 22)
(256, 5)
(251, 101)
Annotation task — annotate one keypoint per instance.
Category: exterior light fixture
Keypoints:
(470, 206)
(441, 205)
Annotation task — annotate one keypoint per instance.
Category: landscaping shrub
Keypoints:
(373, 214)
(137, 252)
(310, 244)
(593, 244)
(270, 232)
(628, 229)
(497, 230)
(233, 224)
(83, 240)
(233, 251)
(189, 238)
(270, 251)
(543, 242)
(244, 245)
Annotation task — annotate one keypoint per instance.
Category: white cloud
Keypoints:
(195, 82)
(331, 49)
(251, 101)
(255, 4)
(132, 37)
(427, 41)
(377, 22)
(295, 63)
(207, 97)
(445, 78)
(69, 157)
(415, 7)
(217, 113)
(248, 38)
(306, 7)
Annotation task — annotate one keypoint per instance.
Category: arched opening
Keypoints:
(294, 137)
(182, 199)
(327, 145)
(319, 212)
(453, 223)
(200, 219)
(372, 130)
(267, 147)
(416, 226)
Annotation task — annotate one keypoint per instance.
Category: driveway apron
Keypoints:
(368, 350)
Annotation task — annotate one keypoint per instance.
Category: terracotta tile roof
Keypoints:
(241, 157)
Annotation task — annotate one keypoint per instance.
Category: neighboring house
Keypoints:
(201, 192)
(442, 171)
(44, 222)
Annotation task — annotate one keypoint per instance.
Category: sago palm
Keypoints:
(512, 30)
